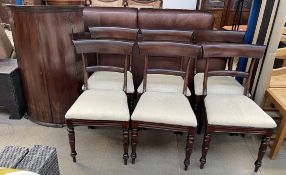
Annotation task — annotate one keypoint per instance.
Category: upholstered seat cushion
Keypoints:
(100, 105)
(105, 80)
(166, 108)
(164, 83)
(217, 85)
(236, 110)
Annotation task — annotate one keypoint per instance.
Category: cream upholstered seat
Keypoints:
(165, 108)
(106, 80)
(236, 110)
(218, 85)
(164, 83)
(100, 105)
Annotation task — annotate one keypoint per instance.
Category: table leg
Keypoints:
(279, 138)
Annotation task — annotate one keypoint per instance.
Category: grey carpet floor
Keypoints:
(159, 152)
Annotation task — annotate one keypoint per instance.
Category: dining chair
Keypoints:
(165, 110)
(101, 107)
(166, 82)
(216, 84)
(234, 113)
(275, 94)
(108, 80)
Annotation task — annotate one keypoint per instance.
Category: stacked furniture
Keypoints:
(165, 104)
(276, 93)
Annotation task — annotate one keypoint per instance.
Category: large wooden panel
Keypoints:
(50, 71)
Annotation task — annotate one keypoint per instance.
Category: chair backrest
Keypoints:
(226, 51)
(167, 35)
(217, 36)
(116, 33)
(169, 50)
(106, 47)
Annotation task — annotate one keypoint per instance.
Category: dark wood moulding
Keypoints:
(51, 73)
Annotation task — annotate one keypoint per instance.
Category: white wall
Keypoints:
(180, 4)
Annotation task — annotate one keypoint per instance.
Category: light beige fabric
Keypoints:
(137, 4)
(104, 80)
(6, 47)
(108, 3)
(236, 110)
(164, 83)
(217, 85)
(100, 105)
(166, 108)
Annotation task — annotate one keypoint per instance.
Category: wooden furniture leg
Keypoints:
(279, 138)
(134, 139)
(72, 141)
(262, 150)
(189, 148)
(205, 149)
(125, 142)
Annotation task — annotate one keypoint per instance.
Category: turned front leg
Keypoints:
(134, 139)
(125, 143)
(71, 135)
(205, 149)
(262, 150)
(189, 149)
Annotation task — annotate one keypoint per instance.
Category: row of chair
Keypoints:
(163, 105)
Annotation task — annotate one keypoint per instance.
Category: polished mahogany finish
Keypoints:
(118, 33)
(51, 73)
(225, 51)
(167, 35)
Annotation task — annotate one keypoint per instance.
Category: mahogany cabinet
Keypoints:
(51, 73)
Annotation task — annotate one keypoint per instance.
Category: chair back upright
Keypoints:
(253, 52)
(104, 47)
(217, 36)
(167, 50)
